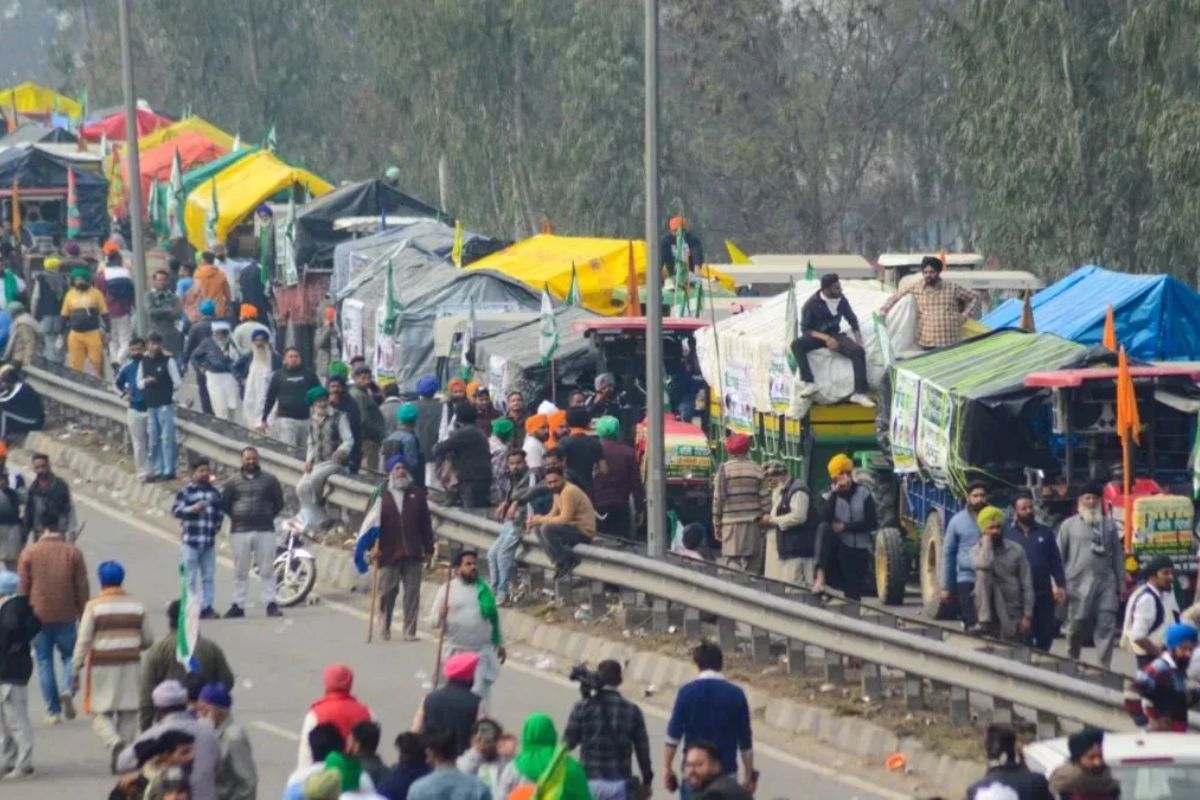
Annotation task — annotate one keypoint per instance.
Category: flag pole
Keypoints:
(1127, 521)
(374, 591)
(712, 313)
(553, 384)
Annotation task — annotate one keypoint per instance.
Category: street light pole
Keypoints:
(656, 487)
(134, 172)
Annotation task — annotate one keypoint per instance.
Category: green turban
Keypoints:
(339, 369)
(316, 393)
(988, 517)
(81, 273)
(503, 428)
(407, 414)
(608, 427)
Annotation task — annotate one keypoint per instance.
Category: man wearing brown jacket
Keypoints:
(54, 577)
(571, 521)
(405, 543)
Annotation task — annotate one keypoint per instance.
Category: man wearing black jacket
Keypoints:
(18, 627)
(846, 531)
(252, 498)
(470, 456)
(821, 327)
(289, 387)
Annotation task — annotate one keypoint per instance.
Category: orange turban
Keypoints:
(472, 388)
(330, 313)
(676, 223)
(457, 383)
(111, 246)
(558, 419)
(536, 421)
(248, 311)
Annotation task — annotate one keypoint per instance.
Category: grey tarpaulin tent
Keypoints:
(514, 352)
(427, 288)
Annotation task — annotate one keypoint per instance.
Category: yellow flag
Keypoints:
(456, 250)
(736, 256)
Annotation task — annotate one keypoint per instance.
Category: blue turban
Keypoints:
(111, 573)
(1180, 633)
(208, 308)
(396, 459)
(9, 582)
(216, 694)
(265, 210)
(427, 385)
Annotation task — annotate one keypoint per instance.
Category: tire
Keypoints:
(930, 564)
(293, 586)
(891, 566)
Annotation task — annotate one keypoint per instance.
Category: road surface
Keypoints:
(278, 664)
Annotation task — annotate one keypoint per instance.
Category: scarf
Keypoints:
(487, 608)
(346, 766)
(542, 759)
(12, 290)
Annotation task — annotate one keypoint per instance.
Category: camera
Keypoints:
(588, 680)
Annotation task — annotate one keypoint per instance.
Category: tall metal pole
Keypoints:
(656, 487)
(132, 160)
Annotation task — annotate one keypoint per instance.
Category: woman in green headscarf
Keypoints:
(544, 762)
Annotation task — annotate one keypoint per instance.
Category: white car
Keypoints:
(1149, 766)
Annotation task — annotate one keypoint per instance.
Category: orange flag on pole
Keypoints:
(633, 305)
(942, 258)
(1110, 331)
(1027, 313)
(1129, 426)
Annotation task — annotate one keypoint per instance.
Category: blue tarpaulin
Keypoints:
(1156, 316)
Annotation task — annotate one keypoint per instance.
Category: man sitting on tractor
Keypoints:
(848, 523)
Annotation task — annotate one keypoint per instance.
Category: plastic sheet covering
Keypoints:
(1157, 317)
(510, 358)
(756, 339)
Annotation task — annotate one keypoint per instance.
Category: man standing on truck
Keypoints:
(1094, 561)
(942, 306)
(821, 327)
(958, 573)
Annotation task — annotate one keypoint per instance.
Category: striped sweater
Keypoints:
(117, 620)
(741, 493)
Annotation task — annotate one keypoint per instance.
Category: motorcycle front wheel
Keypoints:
(294, 581)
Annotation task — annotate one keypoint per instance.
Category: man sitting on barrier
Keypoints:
(329, 443)
(571, 521)
(844, 536)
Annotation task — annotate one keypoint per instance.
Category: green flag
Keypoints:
(174, 220)
(269, 143)
(573, 298)
(790, 327)
(393, 306)
(682, 303)
(464, 362)
(212, 220)
(810, 274)
(547, 330)
(237, 142)
(699, 299)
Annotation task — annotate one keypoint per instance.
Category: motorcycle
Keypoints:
(295, 566)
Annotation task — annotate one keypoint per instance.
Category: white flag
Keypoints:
(464, 365)
(291, 270)
(548, 330)
(175, 199)
(213, 218)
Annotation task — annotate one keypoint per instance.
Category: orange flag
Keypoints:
(546, 225)
(1129, 426)
(1110, 331)
(1027, 313)
(942, 257)
(633, 305)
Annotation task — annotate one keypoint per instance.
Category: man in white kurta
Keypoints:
(107, 663)
(468, 628)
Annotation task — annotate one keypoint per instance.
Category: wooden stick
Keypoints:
(553, 384)
(437, 662)
(374, 592)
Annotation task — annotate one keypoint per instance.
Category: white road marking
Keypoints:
(654, 711)
(282, 733)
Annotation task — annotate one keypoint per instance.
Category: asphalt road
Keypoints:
(278, 664)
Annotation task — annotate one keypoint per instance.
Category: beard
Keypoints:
(400, 484)
(1092, 516)
(1027, 521)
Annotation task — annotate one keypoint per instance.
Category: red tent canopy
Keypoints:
(194, 148)
(114, 126)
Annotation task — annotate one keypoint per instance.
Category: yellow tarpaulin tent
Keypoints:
(240, 189)
(30, 99)
(545, 260)
(194, 124)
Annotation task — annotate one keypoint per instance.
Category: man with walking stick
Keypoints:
(465, 610)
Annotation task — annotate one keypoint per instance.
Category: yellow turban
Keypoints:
(989, 517)
(839, 464)
(52, 263)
